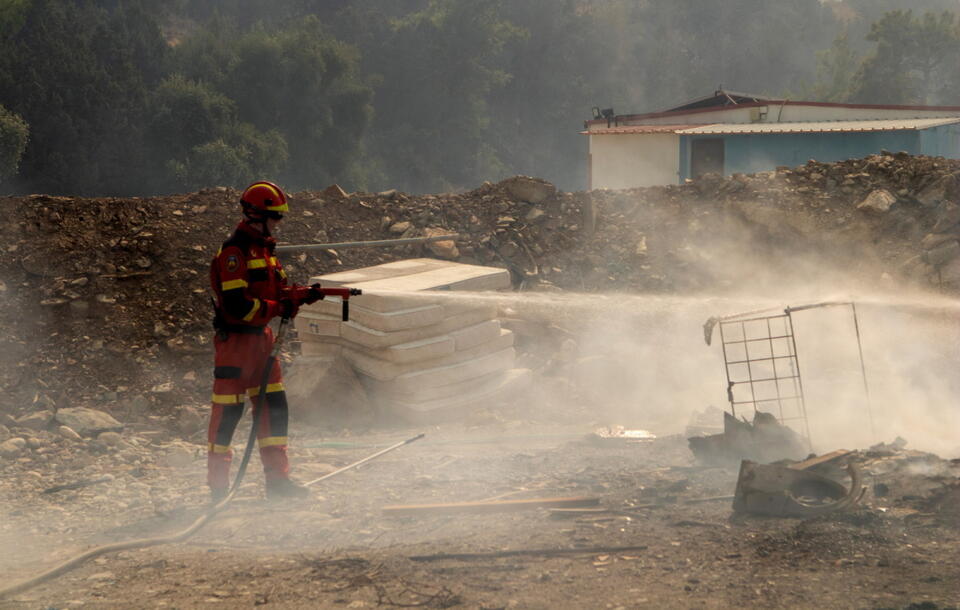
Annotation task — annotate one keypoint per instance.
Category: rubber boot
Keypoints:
(278, 489)
(217, 494)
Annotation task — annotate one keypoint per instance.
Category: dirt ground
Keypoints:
(338, 549)
(106, 308)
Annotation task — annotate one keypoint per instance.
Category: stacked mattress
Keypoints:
(418, 352)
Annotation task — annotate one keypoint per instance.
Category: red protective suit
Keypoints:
(249, 283)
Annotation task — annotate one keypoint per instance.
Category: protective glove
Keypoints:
(314, 294)
(289, 308)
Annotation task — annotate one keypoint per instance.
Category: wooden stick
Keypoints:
(595, 550)
(488, 507)
(76, 485)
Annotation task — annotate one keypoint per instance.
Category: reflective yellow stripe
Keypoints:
(283, 274)
(231, 284)
(227, 399)
(273, 261)
(253, 310)
(256, 263)
(277, 197)
(271, 387)
(271, 441)
(211, 448)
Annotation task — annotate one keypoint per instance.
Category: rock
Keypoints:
(943, 253)
(162, 388)
(101, 576)
(531, 190)
(389, 194)
(534, 214)
(400, 227)
(878, 201)
(178, 457)
(110, 439)
(948, 216)
(190, 420)
(87, 422)
(36, 421)
(641, 247)
(68, 432)
(932, 240)
(446, 248)
(4, 432)
(11, 448)
(334, 191)
(935, 193)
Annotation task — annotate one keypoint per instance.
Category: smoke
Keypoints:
(641, 361)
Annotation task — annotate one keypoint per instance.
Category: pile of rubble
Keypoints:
(107, 306)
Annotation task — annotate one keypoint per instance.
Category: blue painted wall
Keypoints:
(750, 153)
(943, 141)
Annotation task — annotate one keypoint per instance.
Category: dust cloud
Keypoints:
(642, 361)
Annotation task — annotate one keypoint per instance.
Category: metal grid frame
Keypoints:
(765, 319)
(761, 366)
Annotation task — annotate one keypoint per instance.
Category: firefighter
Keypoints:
(251, 289)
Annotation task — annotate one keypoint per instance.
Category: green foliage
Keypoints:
(836, 68)
(79, 75)
(914, 62)
(13, 139)
(296, 80)
(195, 134)
(231, 161)
(144, 97)
(438, 69)
(13, 14)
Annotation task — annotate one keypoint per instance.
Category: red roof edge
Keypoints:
(658, 115)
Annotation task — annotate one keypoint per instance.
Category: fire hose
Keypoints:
(211, 512)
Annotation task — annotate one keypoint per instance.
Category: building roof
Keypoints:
(634, 129)
(684, 111)
(821, 126)
(798, 127)
(722, 98)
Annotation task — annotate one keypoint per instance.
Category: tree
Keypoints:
(438, 69)
(79, 74)
(914, 61)
(559, 69)
(196, 136)
(13, 139)
(298, 81)
(235, 160)
(836, 68)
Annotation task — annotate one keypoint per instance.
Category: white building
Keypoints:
(732, 133)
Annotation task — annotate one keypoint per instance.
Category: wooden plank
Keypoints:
(489, 507)
(592, 550)
(823, 459)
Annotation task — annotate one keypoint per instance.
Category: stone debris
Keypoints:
(531, 190)
(11, 448)
(68, 432)
(878, 201)
(764, 440)
(87, 422)
(133, 315)
(38, 420)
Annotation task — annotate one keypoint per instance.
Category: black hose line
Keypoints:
(211, 512)
(196, 525)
